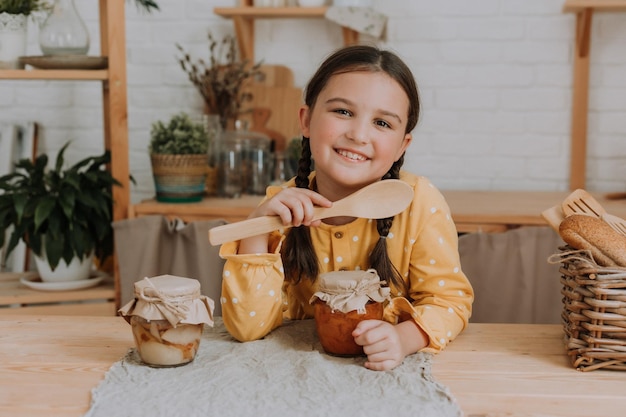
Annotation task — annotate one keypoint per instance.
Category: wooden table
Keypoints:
(49, 364)
(472, 211)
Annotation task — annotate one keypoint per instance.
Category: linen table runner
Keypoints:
(285, 374)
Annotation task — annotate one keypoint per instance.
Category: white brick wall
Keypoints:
(495, 78)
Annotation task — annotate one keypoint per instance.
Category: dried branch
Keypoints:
(221, 81)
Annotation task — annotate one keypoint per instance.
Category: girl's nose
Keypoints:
(358, 131)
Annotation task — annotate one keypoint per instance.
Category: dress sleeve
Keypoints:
(252, 302)
(439, 295)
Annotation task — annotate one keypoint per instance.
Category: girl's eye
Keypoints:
(382, 123)
(343, 112)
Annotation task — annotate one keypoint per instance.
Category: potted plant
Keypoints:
(221, 80)
(179, 157)
(63, 215)
(13, 24)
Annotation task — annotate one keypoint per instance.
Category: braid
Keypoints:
(379, 258)
(299, 259)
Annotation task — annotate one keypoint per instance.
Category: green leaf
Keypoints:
(43, 210)
(54, 250)
(20, 200)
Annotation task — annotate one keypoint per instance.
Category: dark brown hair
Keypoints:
(298, 255)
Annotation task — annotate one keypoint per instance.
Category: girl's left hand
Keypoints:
(381, 343)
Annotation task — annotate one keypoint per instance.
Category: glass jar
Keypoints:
(64, 32)
(244, 163)
(343, 299)
(160, 344)
(228, 157)
(167, 317)
(213, 129)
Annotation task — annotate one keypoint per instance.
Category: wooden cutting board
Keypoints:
(284, 104)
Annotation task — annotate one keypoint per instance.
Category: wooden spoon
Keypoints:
(376, 201)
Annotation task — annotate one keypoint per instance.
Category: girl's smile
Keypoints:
(356, 129)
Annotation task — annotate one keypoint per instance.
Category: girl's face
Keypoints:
(356, 130)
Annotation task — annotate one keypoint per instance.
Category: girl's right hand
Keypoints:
(295, 208)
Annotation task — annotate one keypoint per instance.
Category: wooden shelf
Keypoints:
(580, 96)
(472, 211)
(73, 75)
(599, 5)
(211, 208)
(243, 18)
(15, 298)
(271, 12)
(114, 101)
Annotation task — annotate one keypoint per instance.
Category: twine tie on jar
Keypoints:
(173, 308)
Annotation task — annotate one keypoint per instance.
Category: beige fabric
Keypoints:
(152, 245)
(350, 290)
(285, 374)
(512, 279)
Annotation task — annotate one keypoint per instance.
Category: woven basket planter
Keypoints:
(594, 311)
(179, 178)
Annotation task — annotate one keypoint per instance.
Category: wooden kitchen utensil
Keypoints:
(617, 223)
(581, 202)
(554, 216)
(376, 201)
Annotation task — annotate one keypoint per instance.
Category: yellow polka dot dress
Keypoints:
(422, 244)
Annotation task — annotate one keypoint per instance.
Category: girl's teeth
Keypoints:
(352, 155)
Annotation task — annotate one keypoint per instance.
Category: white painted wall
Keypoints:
(495, 78)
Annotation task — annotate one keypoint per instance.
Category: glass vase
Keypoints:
(64, 32)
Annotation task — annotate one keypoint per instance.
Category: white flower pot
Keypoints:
(76, 270)
(12, 39)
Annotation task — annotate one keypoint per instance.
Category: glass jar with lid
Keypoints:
(167, 317)
(252, 168)
(343, 299)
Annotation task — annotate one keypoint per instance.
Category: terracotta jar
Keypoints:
(343, 299)
(167, 318)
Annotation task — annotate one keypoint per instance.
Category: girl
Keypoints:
(360, 108)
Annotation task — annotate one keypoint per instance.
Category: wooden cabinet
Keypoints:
(244, 16)
(114, 102)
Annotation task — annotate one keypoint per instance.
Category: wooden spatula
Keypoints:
(581, 202)
(554, 216)
(376, 201)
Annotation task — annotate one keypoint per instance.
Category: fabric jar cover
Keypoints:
(347, 291)
(171, 298)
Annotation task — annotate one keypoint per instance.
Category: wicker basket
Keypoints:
(179, 178)
(594, 311)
